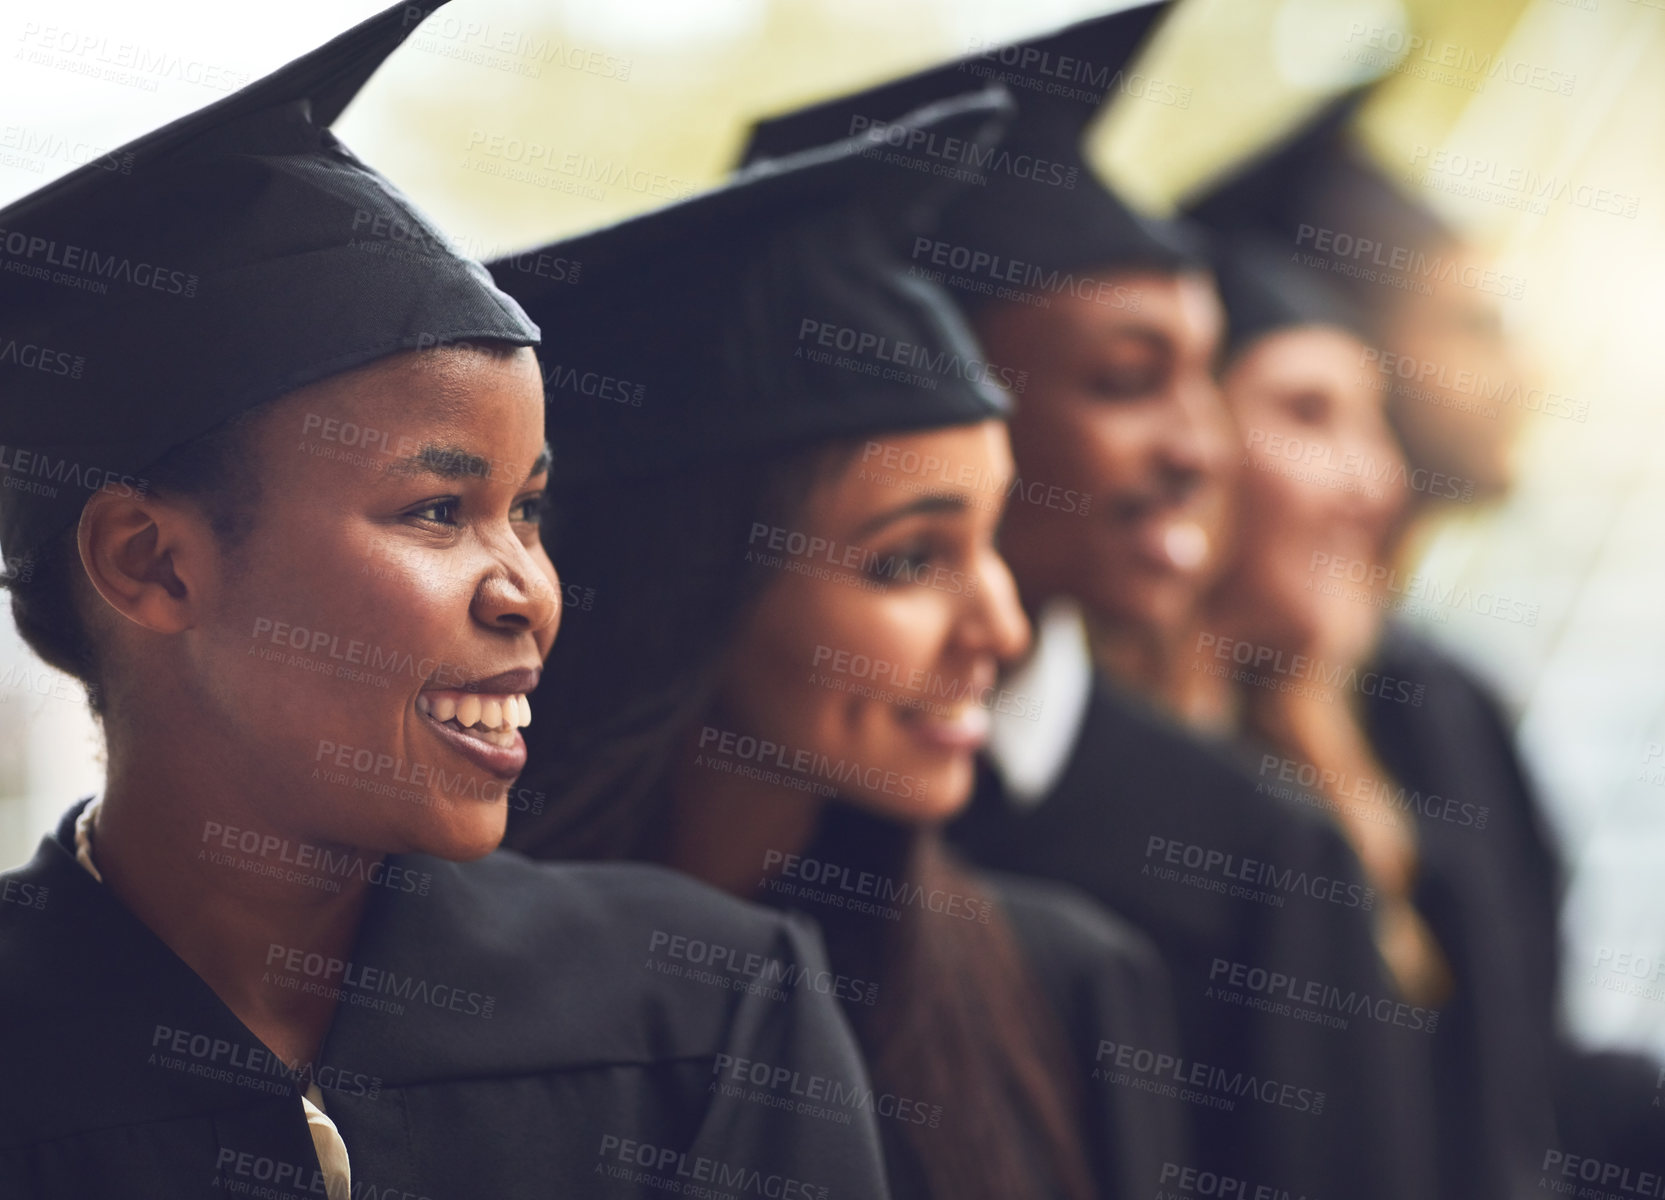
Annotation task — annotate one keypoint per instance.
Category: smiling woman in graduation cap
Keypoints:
(1295, 378)
(1116, 320)
(787, 512)
(1322, 484)
(279, 512)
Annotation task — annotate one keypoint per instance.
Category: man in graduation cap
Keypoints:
(272, 485)
(1115, 320)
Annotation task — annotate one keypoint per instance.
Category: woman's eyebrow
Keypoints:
(936, 502)
(447, 462)
(454, 462)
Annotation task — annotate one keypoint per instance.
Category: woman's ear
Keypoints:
(149, 558)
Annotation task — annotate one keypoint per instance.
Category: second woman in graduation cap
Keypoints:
(1120, 334)
(787, 515)
(284, 525)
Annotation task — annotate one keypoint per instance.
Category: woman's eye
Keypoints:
(900, 566)
(443, 511)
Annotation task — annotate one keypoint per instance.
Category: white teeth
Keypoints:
(494, 737)
(1186, 545)
(970, 718)
(495, 715)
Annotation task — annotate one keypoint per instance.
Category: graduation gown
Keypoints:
(1100, 980)
(522, 1030)
(1106, 985)
(1287, 1101)
(1512, 1088)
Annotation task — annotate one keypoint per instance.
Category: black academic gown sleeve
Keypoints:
(1611, 1108)
(1296, 1075)
(517, 1030)
(1109, 988)
(1515, 1091)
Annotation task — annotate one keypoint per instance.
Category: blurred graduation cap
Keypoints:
(241, 252)
(771, 312)
(1041, 208)
(1262, 292)
(1309, 227)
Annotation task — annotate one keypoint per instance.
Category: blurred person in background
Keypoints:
(1124, 452)
(277, 948)
(1444, 924)
(1454, 383)
(1455, 390)
(788, 518)
(1411, 755)
(1458, 393)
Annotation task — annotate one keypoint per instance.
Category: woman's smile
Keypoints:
(961, 730)
(482, 721)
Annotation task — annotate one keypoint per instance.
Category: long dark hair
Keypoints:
(959, 1020)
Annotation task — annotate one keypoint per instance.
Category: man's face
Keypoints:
(1121, 404)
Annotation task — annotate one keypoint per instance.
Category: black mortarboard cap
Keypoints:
(1316, 201)
(1262, 291)
(1041, 209)
(772, 312)
(209, 266)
